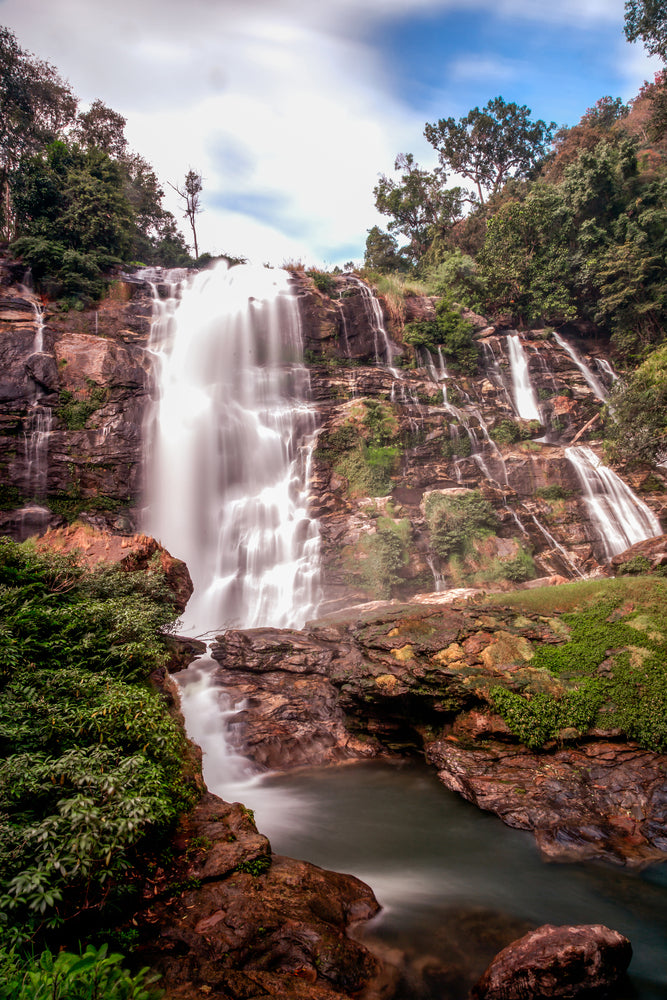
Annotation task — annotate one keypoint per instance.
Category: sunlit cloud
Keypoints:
(290, 109)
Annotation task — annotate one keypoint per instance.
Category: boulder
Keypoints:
(556, 963)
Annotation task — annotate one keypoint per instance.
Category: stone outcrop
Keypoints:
(557, 963)
(401, 679)
(230, 919)
(93, 546)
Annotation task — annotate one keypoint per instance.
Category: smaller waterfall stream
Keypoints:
(620, 516)
(591, 379)
(524, 394)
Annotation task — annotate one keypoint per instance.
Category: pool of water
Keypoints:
(455, 883)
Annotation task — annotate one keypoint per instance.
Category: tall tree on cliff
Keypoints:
(36, 106)
(191, 195)
(492, 145)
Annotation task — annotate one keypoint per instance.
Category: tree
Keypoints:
(36, 105)
(491, 145)
(382, 253)
(103, 127)
(636, 416)
(190, 193)
(419, 205)
(647, 19)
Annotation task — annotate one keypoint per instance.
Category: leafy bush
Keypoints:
(448, 332)
(90, 761)
(74, 413)
(93, 975)
(454, 520)
(377, 559)
(324, 282)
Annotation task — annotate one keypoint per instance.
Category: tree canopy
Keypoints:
(75, 200)
(492, 145)
(647, 19)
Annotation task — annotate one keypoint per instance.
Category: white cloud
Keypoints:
(285, 106)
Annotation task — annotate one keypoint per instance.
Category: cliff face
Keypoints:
(72, 402)
(395, 425)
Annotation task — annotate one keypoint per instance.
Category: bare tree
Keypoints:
(191, 195)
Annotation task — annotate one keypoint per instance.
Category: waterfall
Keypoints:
(592, 381)
(229, 445)
(620, 516)
(384, 352)
(524, 396)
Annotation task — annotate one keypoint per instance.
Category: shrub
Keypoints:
(376, 560)
(324, 282)
(455, 520)
(91, 763)
(448, 332)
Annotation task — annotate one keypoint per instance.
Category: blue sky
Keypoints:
(292, 108)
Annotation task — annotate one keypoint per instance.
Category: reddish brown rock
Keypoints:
(94, 546)
(556, 963)
(229, 919)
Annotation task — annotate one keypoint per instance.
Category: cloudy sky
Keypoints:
(292, 108)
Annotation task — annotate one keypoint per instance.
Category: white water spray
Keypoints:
(592, 381)
(621, 518)
(524, 395)
(228, 460)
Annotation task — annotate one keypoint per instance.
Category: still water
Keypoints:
(455, 883)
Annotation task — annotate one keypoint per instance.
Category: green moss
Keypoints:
(610, 668)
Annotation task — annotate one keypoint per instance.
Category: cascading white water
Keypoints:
(228, 459)
(522, 388)
(592, 381)
(621, 517)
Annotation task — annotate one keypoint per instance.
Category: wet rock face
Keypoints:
(557, 962)
(602, 800)
(230, 919)
(72, 400)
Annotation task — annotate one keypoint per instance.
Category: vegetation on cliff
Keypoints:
(75, 201)
(559, 225)
(92, 769)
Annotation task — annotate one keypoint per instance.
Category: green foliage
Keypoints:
(92, 975)
(636, 415)
(419, 206)
(74, 413)
(519, 568)
(455, 520)
(543, 717)
(553, 492)
(449, 332)
(377, 559)
(525, 263)
(457, 278)
(611, 667)
(368, 468)
(324, 282)
(90, 761)
(382, 253)
(491, 145)
(633, 567)
(647, 19)
(255, 866)
(365, 449)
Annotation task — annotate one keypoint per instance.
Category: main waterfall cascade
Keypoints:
(228, 457)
